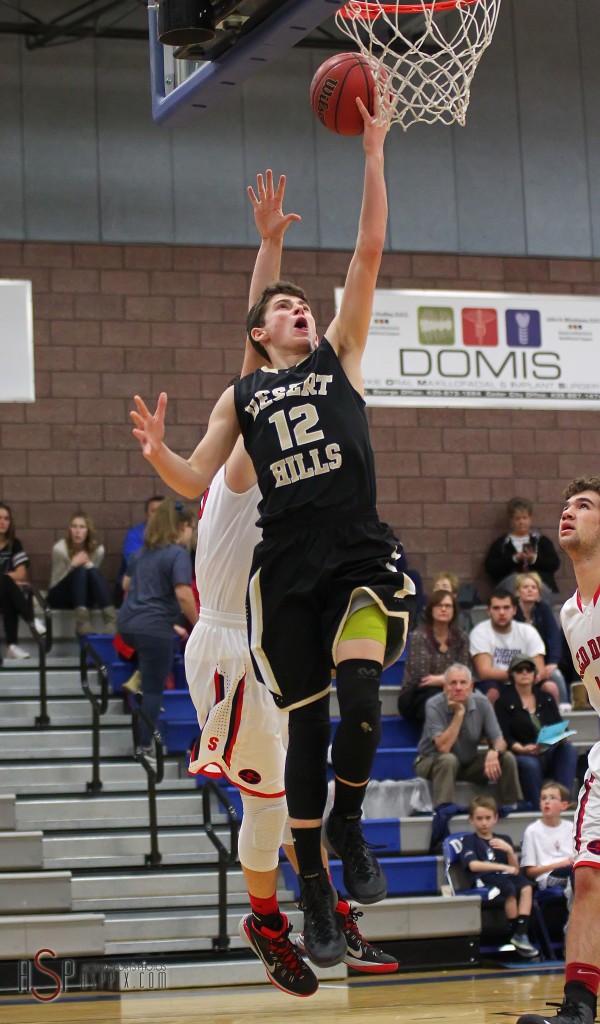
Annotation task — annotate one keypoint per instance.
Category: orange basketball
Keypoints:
(334, 89)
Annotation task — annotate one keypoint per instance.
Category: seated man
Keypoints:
(496, 641)
(456, 721)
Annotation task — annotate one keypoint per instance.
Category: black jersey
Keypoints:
(12, 556)
(305, 429)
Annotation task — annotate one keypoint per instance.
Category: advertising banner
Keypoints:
(483, 349)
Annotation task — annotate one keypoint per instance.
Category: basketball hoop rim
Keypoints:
(365, 9)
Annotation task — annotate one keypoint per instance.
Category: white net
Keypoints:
(423, 55)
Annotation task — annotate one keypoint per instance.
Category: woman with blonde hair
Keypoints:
(538, 613)
(158, 590)
(76, 581)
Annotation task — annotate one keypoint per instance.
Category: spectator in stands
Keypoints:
(495, 642)
(493, 862)
(15, 594)
(522, 710)
(547, 848)
(134, 538)
(457, 721)
(522, 549)
(76, 581)
(446, 581)
(432, 648)
(465, 594)
(539, 614)
(158, 589)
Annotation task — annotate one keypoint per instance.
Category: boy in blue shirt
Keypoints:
(492, 860)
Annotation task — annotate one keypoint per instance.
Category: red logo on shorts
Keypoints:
(251, 776)
(594, 847)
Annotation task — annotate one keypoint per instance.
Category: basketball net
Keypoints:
(423, 54)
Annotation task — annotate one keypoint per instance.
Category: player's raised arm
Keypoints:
(349, 330)
(189, 477)
(271, 224)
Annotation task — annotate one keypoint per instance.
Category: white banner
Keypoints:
(483, 349)
(16, 342)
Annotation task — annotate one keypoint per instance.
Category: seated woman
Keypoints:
(531, 609)
(522, 709)
(465, 594)
(15, 596)
(522, 549)
(158, 589)
(76, 580)
(432, 648)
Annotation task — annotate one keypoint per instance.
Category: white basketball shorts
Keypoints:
(244, 734)
(586, 826)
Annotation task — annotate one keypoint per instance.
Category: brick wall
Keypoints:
(111, 320)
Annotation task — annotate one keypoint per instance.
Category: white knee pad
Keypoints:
(261, 832)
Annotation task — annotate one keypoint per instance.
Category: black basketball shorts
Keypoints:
(303, 585)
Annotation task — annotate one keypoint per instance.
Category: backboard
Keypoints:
(257, 32)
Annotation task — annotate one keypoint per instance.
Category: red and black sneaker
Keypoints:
(284, 966)
(361, 955)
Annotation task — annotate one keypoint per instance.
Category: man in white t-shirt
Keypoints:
(494, 643)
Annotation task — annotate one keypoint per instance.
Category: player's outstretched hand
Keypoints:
(271, 222)
(149, 429)
(376, 128)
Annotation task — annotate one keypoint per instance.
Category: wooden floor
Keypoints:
(452, 997)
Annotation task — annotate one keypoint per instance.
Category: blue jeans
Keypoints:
(557, 763)
(80, 588)
(155, 658)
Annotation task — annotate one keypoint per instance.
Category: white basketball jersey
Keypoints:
(227, 536)
(582, 630)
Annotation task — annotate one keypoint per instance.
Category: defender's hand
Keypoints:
(149, 429)
(271, 222)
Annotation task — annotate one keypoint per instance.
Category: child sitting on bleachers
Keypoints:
(492, 860)
(547, 855)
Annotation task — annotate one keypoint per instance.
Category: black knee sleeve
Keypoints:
(359, 732)
(306, 761)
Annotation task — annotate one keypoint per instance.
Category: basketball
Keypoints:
(334, 89)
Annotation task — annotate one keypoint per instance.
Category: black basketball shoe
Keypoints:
(284, 966)
(323, 939)
(364, 879)
(569, 1012)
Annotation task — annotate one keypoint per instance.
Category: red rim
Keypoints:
(372, 10)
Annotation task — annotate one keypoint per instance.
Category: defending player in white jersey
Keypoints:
(579, 538)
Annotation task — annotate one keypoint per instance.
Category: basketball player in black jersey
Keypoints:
(325, 588)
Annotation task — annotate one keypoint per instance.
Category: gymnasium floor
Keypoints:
(478, 996)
